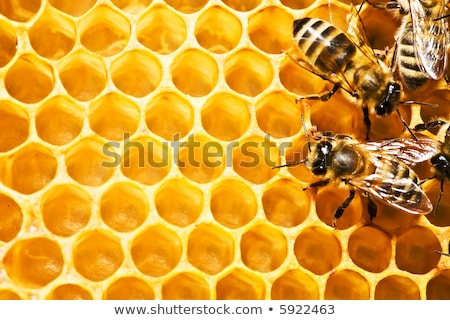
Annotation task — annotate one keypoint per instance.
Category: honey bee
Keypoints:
(370, 167)
(440, 161)
(346, 60)
(421, 40)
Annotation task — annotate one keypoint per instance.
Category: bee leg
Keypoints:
(441, 192)
(429, 125)
(322, 97)
(343, 206)
(317, 184)
(371, 208)
(367, 122)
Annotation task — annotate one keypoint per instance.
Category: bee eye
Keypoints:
(440, 161)
(319, 170)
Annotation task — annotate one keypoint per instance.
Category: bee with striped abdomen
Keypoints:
(440, 161)
(371, 168)
(345, 59)
(421, 40)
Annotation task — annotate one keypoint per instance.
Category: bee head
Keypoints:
(441, 165)
(321, 156)
(390, 101)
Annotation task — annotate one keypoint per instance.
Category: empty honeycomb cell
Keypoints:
(295, 4)
(210, 248)
(20, 11)
(240, 284)
(194, 72)
(124, 206)
(83, 75)
(30, 169)
(395, 287)
(59, 120)
(217, 30)
(161, 30)
(441, 217)
(294, 285)
(145, 160)
(156, 250)
(350, 115)
(271, 37)
(11, 218)
(8, 43)
(129, 288)
(169, 115)
(233, 203)
(113, 116)
(69, 291)
(185, 286)
(254, 158)
(415, 250)
(242, 5)
(29, 79)
(179, 202)
(66, 209)
(380, 35)
(104, 31)
(15, 122)
(86, 162)
(132, 6)
(136, 73)
(278, 115)
(370, 249)
(389, 126)
(225, 116)
(263, 248)
(53, 35)
(33, 262)
(201, 159)
(97, 254)
(390, 219)
(438, 288)
(293, 78)
(187, 6)
(6, 294)
(248, 72)
(285, 204)
(330, 198)
(318, 250)
(347, 285)
(73, 8)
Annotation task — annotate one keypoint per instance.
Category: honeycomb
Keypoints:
(137, 140)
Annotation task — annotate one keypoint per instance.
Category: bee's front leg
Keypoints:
(343, 206)
(322, 97)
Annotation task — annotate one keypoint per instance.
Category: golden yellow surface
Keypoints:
(83, 79)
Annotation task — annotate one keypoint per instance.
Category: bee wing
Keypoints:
(408, 150)
(430, 39)
(400, 193)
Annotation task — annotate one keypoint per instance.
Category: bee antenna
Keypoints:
(442, 17)
(306, 132)
(290, 164)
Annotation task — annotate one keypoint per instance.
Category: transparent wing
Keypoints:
(408, 150)
(401, 193)
(430, 38)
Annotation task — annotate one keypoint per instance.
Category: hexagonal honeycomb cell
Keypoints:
(138, 141)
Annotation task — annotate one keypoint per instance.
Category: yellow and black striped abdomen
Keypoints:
(326, 48)
(408, 65)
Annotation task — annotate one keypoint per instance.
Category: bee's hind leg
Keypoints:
(343, 206)
(322, 97)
